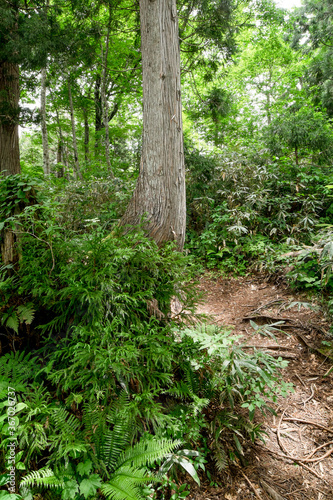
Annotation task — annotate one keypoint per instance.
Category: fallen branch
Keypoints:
(278, 435)
(270, 490)
(294, 460)
(265, 317)
(319, 448)
(264, 306)
(251, 486)
(302, 421)
(310, 397)
(302, 459)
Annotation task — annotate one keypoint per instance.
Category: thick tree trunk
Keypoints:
(9, 115)
(77, 170)
(160, 192)
(45, 142)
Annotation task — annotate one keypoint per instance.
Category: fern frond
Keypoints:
(146, 452)
(220, 457)
(18, 367)
(42, 477)
(115, 442)
(67, 435)
(192, 380)
(26, 313)
(65, 422)
(121, 488)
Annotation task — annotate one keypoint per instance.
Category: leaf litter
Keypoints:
(296, 460)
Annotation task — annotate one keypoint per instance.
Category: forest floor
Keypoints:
(304, 420)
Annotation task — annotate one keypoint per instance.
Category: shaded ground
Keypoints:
(304, 420)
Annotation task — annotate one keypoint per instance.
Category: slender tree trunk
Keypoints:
(9, 115)
(98, 112)
(105, 102)
(296, 156)
(46, 155)
(77, 170)
(86, 135)
(160, 191)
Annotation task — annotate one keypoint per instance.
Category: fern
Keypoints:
(121, 488)
(114, 444)
(147, 452)
(220, 457)
(14, 317)
(67, 438)
(42, 478)
(26, 313)
(18, 368)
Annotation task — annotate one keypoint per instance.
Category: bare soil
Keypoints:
(286, 466)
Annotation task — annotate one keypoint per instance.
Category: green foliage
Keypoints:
(313, 267)
(122, 468)
(17, 192)
(111, 350)
(301, 129)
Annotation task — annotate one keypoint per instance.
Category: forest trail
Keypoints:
(304, 420)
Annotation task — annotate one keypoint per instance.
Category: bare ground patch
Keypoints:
(296, 460)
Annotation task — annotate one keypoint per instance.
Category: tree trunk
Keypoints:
(159, 195)
(296, 156)
(60, 161)
(86, 135)
(9, 115)
(77, 171)
(60, 150)
(98, 111)
(105, 102)
(45, 142)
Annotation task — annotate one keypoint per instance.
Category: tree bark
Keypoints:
(105, 102)
(159, 195)
(9, 116)
(45, 142)
(77, 170)
(98, 111)
(86, 135)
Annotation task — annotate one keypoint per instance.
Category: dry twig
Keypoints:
(310, 397)
(251, 486)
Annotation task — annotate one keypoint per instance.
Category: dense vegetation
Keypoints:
(117, 386)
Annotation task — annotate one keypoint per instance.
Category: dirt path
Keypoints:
(270, 475)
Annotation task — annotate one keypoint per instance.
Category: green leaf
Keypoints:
(4, 495)
(20, 406)
(89, 486)
(13, 322)
(70, 489)
(189, 469)
(84, 468)
(4, 479)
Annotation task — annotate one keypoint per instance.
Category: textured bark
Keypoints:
(9, 115)
(77, 171)
(45, 142)
(160, 189)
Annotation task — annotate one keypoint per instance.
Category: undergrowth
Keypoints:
(109, 380)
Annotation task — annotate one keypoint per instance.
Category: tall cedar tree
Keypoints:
(9, 89)
(159, 196)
